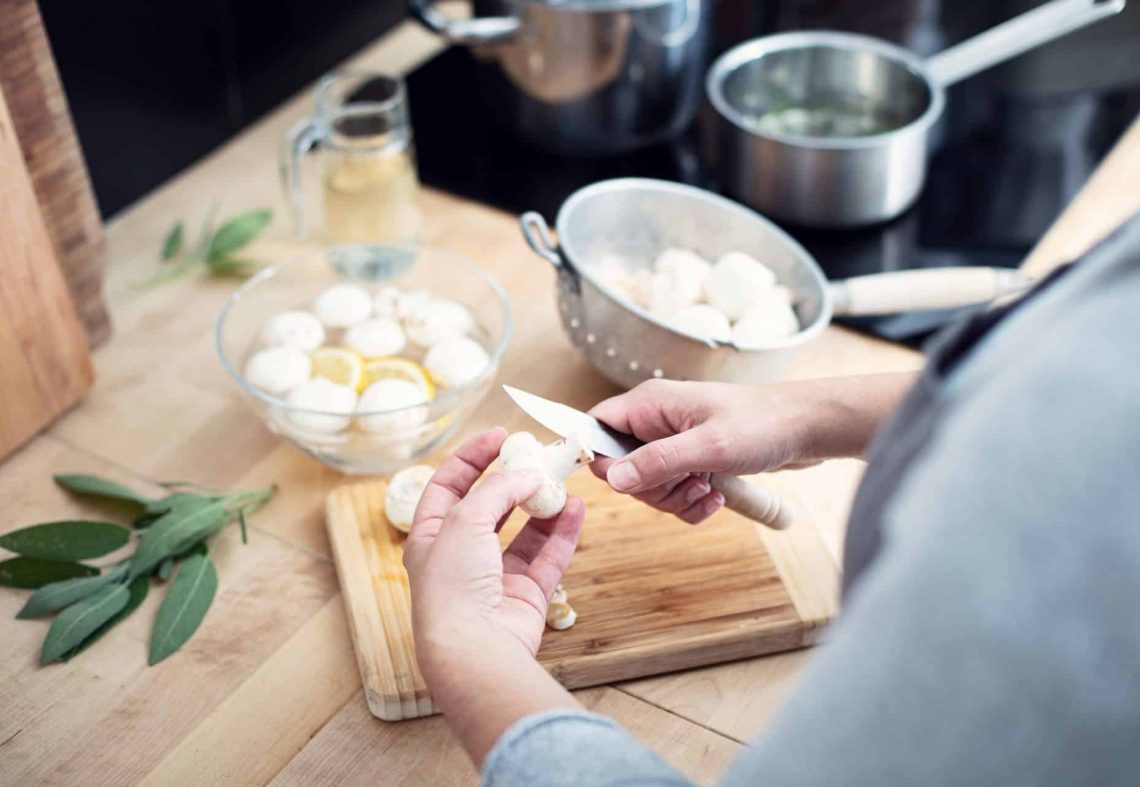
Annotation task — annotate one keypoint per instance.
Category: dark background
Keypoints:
(156, 84)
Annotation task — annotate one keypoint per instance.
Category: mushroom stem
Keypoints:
(565, 456)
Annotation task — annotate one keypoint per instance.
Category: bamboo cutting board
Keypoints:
(44, 367)
(652, 594)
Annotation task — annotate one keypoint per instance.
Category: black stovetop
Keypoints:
(1001, 171)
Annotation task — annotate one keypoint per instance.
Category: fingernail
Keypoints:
(696, 492)
(623, 476)
(714, 502)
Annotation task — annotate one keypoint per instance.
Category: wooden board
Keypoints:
(653, 595)
(36, 102)
(44, 367)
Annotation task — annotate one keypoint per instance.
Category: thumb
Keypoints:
(695, 451)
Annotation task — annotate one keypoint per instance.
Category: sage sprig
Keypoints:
(171, 537)
(215, 249)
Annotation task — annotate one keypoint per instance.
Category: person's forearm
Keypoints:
(483, 691)
(842, 414)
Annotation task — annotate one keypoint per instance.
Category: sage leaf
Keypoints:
(184, 607)
(241, 521)
(172, 245)
(237, 232)
(164, 570)
(58, 595)
(82, 619)
(66, 540)
(231, 266)
(188, 521)
(31, 572)
(138, 590)
(100, 487)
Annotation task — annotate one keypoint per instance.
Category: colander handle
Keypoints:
(537, 234)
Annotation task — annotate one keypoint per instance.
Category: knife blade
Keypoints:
(756, 503)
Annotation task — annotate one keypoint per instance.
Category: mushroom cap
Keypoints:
(342, 305)
(335, 402)
(277, 369)
(387, 401)
(737, 283)
(702, 321)
(295, 328)
(376, 337)
(560, 616)
(392, 302)
(456, 360)
(771, 320)
(403, 495)
(522, 451)
(686, 269)
(429, 323)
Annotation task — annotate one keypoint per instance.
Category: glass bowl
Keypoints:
(295, 283)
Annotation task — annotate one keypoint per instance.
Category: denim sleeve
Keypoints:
(572, 748)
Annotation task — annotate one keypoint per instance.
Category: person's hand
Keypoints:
(695, 428)
(469, 598)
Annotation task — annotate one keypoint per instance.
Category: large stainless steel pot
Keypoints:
(840, 178)
(587, 76)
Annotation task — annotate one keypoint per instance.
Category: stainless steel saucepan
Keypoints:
(635, 219)
(830, 129)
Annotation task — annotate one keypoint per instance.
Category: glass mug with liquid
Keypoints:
(362, 135)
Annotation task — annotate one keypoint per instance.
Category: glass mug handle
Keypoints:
(300, 139)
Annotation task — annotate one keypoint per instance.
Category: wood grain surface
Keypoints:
(652, 594)
(268, 688)
(38, 106)
(44, 368)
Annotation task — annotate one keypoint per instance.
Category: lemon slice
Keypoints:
(340, 365)
(397, 368)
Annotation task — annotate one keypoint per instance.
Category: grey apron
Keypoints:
(900, 440)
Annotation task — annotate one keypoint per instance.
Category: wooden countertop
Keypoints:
(268, 687)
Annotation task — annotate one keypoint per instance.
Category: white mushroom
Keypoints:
(391, 407)
(403, 495)
(325, 407)
(342, 305)
(702, 322)
(737, 283)
(295, 328)
(611, 270)
(687, 271)
(376, 337)
(433, 321)
(557, 461)
(456, 360)
(278, 369)
(770, 321)
(394, 303)
(559, 614)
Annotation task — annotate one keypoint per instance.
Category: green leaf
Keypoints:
(241, 521)
(81, 620)
(138, 590)
(100, 487)
(58, 595)
(164, 570)
(237, 232)
(190, 520)
(144, 521)
(231, 266)
(172, 245)
(66, 540)
(184, 607)
(31, 572)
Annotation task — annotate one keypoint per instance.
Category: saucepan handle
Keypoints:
(1020, 34)
(480, 31)
(928, 288)
(758, 504)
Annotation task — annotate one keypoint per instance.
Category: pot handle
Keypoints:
(1020, 34)
(480, 31)
(929, 288)
(537, 234)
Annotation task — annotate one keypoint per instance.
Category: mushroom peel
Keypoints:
(376, 337)
(342, 305)
(294, 328)
(523, 451)
(403, 495)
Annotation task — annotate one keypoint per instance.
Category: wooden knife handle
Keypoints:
(758, 504)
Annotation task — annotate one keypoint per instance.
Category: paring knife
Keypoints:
(756, 503)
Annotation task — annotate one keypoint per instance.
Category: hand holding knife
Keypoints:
(756, 503)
